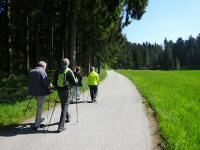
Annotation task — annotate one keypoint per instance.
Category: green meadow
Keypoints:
(175, 97)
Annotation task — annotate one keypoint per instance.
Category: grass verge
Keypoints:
(13, 103)
(175, 97)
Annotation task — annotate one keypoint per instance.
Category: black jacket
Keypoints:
(79, 77)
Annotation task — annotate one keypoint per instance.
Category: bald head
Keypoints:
(92, 68)
(65, 62)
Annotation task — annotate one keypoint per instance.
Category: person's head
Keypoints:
(78, 69)
(65, 62)
(93, 68)
(42, 64)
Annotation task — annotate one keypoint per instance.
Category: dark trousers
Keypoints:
(64, 95)
(93, 91)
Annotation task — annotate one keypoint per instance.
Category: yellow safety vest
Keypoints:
(93, 78)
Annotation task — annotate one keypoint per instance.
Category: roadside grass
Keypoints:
(175, 97)
(14, 100)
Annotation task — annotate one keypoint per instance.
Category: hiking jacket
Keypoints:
(93, 78)
(38, 82)
(79, 77)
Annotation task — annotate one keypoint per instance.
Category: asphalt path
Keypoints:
(116, 122)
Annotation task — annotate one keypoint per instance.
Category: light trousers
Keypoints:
(40, 102)
(78, 92)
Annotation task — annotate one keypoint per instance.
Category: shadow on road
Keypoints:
(79, 102)
(26, 129)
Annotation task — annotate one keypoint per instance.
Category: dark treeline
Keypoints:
(183, 54)
(88, 32)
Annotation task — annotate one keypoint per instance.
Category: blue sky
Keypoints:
(166, 18)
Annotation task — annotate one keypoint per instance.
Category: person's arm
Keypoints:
(45, 79)
(72, 78)
(55, 79)
(80, 76)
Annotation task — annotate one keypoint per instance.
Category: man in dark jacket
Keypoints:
(39, 86)
(63, 81)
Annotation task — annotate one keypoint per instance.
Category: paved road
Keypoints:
(116, 122)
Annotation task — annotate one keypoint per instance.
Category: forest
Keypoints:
(87, 32)
(182, 54)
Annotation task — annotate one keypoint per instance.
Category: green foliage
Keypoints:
(139, 56)
(103, 74)
(50, 30)
(175, 97)
(13, 113)
(178, 55)
(13, 88)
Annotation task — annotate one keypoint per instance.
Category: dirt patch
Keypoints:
(151, 114)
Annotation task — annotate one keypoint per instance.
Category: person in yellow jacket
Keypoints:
(93, 81)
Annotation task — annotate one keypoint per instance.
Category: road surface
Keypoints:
(116, 122)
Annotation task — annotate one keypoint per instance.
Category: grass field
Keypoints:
(175, 96)
(13, 100)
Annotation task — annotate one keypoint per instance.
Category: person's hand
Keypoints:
(50, 86)
(76, 80)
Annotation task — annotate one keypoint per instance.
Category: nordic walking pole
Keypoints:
(27, 105)
(76, 104)
(52, 114)
(83, 95)
(88, 94)
(48, 108)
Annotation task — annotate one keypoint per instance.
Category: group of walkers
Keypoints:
(39, 86)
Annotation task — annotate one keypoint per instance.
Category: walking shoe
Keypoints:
(42, 125)
(60, 130)
(94, 100)
(91, 101)
(67, 121)
(35, 128)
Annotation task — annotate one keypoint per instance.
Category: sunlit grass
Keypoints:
(175, 96)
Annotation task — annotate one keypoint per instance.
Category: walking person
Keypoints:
(39, 86)
(79, 77)
(93, 81)
(64, 79)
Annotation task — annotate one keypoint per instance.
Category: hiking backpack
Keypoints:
(62, 82)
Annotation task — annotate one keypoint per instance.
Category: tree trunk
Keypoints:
(10, 50)
(4, 28)
(27, 45)
(37, 50)
(99, 64)
(73, 34)
(89, 57)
